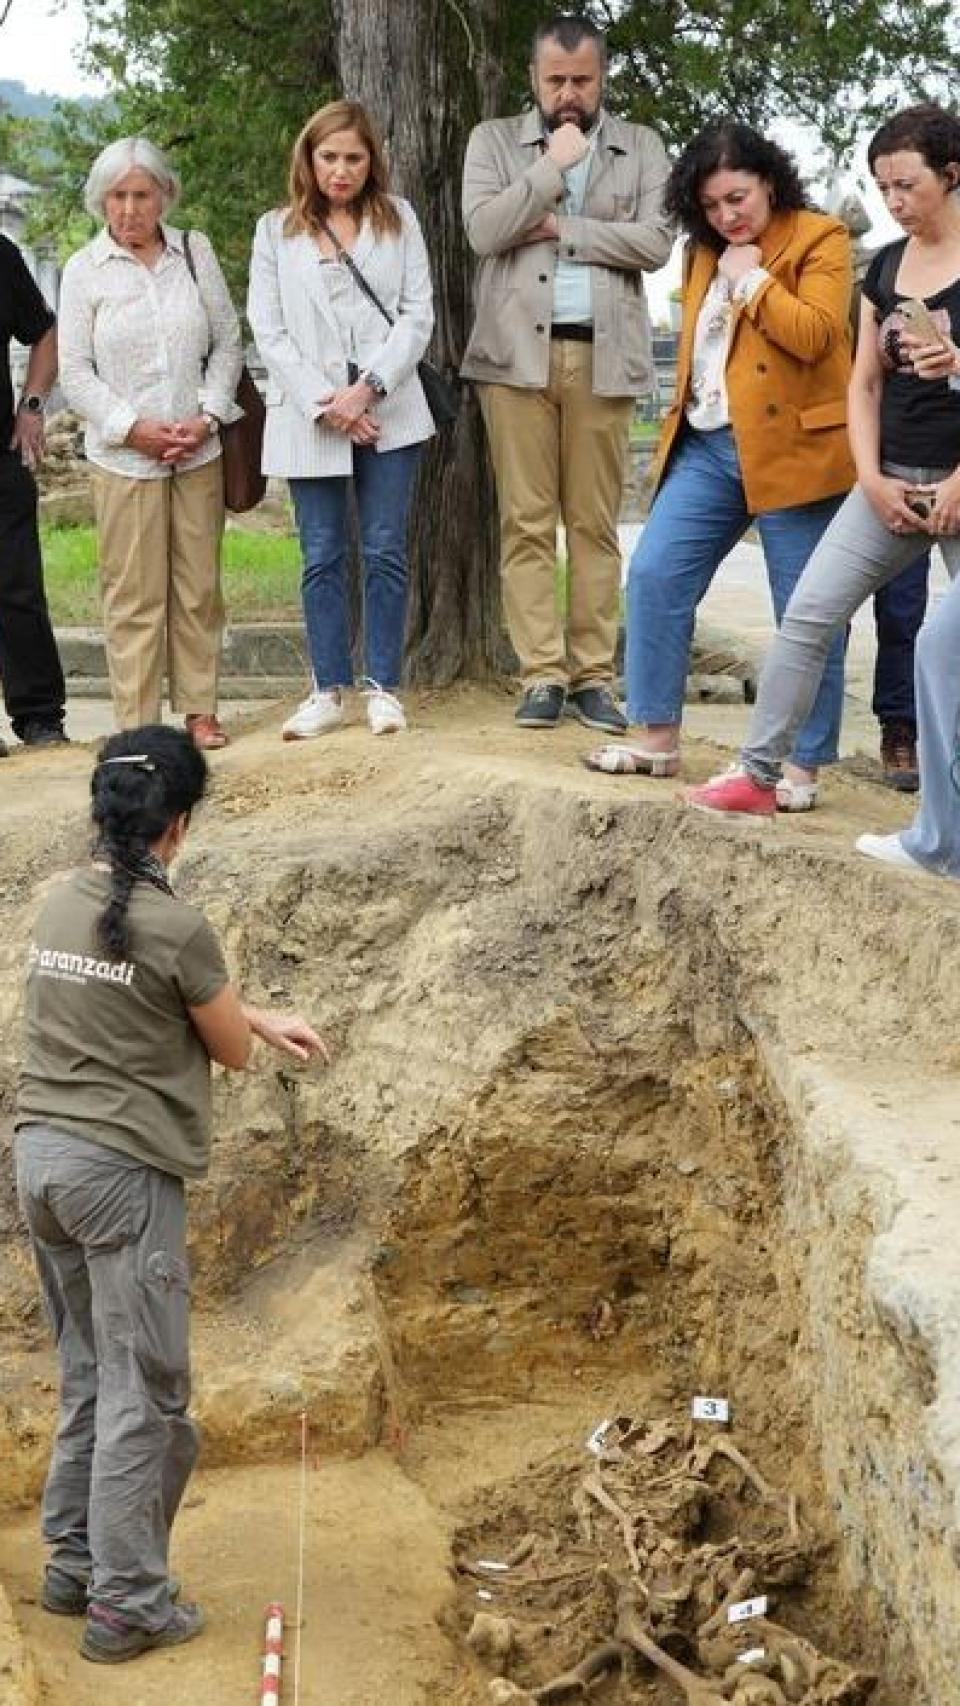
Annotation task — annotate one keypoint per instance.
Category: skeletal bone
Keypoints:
(631, 1631)
(576, 1681)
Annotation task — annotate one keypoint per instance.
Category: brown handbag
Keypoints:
(241, 442)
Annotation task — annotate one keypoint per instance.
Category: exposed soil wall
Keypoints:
(624, 1106)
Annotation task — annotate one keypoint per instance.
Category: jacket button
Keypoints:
(571, 252)
(761, 367)
(543, 278)
(540, 328)
(772, 409)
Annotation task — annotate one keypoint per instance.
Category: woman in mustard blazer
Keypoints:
(757, 432)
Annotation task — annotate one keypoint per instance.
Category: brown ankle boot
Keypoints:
(898, 755)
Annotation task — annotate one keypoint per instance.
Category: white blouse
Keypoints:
(708, 408)
(310, 318)
(139, 342)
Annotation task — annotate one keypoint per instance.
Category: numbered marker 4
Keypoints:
(747, 1608)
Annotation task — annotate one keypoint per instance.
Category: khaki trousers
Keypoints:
(159, 543)
(560, 453)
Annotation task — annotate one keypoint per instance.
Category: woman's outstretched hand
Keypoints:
(288, 1033)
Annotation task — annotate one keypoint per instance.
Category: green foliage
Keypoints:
(226, 88)
(837, 66)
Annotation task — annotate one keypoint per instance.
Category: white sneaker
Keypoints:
(320, 712)
(384, 711)
(889, 849)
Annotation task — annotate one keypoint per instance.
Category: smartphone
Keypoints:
(920, 502)
(920, 321)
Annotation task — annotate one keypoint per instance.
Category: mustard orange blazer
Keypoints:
(788, 365)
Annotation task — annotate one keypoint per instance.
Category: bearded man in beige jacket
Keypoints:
(563, 206)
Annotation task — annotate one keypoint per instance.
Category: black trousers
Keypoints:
(30, 671)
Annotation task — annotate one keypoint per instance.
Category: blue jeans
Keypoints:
(699, 514)
(899, 609)
(382, 482)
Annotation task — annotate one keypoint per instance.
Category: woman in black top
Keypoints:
(904, 415)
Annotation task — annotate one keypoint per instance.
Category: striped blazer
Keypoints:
(305, 343)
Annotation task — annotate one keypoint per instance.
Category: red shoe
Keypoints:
(734, 791)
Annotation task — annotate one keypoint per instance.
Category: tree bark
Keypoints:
(427, 71)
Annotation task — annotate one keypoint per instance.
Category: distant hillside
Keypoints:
(30, 103)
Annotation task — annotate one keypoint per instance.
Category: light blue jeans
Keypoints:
(857, 555)
(382, 483)
(699, 515)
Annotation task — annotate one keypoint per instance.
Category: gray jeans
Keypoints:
(856, 555)
(109, 1237)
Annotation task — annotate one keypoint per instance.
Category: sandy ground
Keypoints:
(371, 881)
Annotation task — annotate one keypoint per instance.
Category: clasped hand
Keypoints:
(169, 441)
(347, 412)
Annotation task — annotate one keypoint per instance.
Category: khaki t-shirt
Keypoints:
(109, 1050)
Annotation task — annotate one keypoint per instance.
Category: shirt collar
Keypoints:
(105, 247)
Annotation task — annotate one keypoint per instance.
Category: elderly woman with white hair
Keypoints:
(150, 357)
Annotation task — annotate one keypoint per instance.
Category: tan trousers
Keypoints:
(159, 544)
(560, 453)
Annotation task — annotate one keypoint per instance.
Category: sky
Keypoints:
(39, 44)
(41, 40)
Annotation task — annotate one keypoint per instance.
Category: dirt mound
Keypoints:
(589, 1146)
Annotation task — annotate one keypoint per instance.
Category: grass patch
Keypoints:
(261, 576)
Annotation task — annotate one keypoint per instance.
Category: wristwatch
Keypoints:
(32, 402)
(375, 383)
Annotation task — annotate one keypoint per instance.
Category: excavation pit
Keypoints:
(608, 1127)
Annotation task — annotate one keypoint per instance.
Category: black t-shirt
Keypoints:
(23, 315)
(919, 418)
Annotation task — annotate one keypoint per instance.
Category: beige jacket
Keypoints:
(508, 185)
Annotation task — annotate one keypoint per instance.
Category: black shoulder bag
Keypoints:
(443, 398)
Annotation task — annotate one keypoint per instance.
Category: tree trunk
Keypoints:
(427, 71)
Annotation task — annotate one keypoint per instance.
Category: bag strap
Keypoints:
(890, 266)
(354, 270)
(192, 270)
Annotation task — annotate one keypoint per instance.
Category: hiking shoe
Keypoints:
(541, 707)
(597, 709)
(320, 712)
(889, 849)
(734, 791)
(68, 1596)
(384, 710)
(109, 1638)
(898, 755)
(64, 1595)
(43, 731)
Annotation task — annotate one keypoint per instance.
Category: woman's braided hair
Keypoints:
(144, 778)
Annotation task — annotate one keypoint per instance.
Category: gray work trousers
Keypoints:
(109, 1237)
(856, 555)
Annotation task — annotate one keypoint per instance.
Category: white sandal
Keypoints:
(796, 796)
(623, 760)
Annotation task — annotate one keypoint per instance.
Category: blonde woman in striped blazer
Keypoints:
(344, 403)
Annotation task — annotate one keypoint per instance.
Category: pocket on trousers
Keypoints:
(163, 1331)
